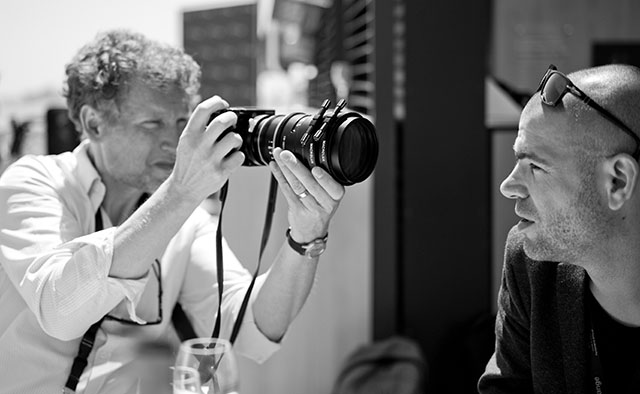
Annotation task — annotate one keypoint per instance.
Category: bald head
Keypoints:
(617, 89)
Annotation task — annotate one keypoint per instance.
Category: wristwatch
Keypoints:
(310, 249)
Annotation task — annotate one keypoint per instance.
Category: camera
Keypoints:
(343, 143)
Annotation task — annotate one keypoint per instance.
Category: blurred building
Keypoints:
(223, 41)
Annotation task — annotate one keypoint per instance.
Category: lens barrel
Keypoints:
(343, 143)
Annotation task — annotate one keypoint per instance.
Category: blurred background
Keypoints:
(414, 251)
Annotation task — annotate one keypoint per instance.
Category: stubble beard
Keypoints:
(571, 234)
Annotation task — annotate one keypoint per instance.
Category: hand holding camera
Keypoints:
(313, 196)
(207, 154)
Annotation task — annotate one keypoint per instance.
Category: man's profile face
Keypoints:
(140, 141)
(554, 188)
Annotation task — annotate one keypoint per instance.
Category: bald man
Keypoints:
(569, 303)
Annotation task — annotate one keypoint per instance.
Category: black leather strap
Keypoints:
(219, 262)
(181, 323)
(81, 360)
(271, 204)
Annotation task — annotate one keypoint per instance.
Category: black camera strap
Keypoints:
(271, 204)
(86, 344)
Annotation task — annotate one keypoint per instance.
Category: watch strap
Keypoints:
(301, 248)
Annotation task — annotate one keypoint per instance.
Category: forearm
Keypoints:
(284, 292)
(144, 236)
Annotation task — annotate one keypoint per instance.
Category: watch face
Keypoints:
(315, 249)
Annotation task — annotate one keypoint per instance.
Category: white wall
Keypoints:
(337, 317)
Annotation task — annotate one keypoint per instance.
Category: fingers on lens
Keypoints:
(282, 181)
(333, 188)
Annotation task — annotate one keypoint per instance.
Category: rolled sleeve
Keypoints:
(68, 288)
(46, 210)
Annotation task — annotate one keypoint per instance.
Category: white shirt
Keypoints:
(54, 282)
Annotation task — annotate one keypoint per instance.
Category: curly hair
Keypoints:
(100, 72)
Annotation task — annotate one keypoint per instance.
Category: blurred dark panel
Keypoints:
(223, 41)
(61, 134)
(616, 52)
(445, 176)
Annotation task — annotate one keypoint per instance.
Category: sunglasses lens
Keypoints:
(553, 90)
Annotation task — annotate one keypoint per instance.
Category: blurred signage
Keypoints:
(223, 41)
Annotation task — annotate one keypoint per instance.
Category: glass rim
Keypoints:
(221, 345)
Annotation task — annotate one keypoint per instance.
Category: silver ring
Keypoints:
(302, 194)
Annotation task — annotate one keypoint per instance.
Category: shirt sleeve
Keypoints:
(199, 295)
(60, 271)
(509, 369)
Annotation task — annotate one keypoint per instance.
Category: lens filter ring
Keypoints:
(353, 149)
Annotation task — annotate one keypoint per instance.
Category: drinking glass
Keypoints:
(186, 380)
(214, 360)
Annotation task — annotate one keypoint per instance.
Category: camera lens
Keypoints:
(355, 135)
(343, 143)
(348, 149)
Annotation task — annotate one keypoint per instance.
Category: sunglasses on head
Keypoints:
(553, 87)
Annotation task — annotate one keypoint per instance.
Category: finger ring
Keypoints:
(302, 194)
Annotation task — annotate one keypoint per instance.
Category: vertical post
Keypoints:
(445, 178)
(386, 301)
(432, 229)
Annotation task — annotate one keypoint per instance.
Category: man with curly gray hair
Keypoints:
(98, 245)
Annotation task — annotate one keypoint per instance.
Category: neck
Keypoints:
(120, 200)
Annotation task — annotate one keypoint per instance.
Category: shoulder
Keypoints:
(36, 169)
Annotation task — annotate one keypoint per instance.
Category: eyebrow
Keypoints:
(529, 155)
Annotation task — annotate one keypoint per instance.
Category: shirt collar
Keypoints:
(87, 175)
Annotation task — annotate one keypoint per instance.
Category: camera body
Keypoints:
(343, 143)
(244, 129)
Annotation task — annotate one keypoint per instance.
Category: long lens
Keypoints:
(347, 149)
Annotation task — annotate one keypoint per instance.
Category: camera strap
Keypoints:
(271, 204)
(86, 344)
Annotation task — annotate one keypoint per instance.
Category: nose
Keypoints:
(513, 187)
(169, 140)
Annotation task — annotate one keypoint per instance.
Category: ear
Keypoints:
(90, 121)
(621, 173)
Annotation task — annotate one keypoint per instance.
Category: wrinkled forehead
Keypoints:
(545, 129)
(142, 101)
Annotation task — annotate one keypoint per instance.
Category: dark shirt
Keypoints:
(619, 349)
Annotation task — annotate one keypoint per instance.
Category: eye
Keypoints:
(534, 167)
(151, 124)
